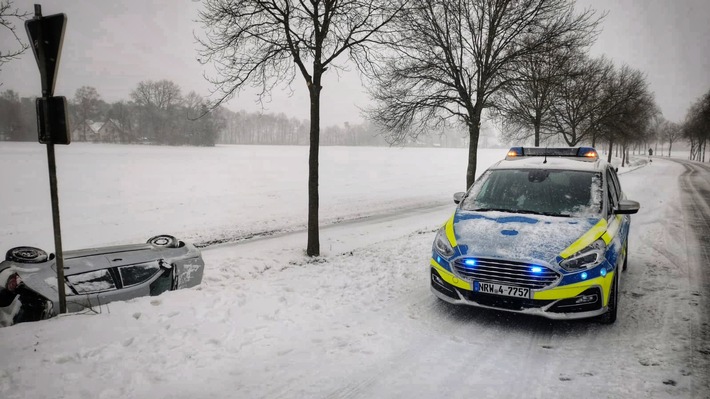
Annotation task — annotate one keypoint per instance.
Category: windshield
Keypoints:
(537, 191)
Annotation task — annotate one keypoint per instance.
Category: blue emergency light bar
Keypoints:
(588, 153)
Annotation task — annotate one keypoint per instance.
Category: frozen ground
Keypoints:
(119, 193)
(360, 321)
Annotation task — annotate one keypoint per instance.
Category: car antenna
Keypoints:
(545, 161)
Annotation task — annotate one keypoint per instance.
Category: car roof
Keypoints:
(562, 158)
(554, 163)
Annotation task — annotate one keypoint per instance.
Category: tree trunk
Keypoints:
(611, 148)
(474, 130)
(537, 134)
(670, 145)
(313, 247)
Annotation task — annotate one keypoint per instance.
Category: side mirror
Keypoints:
(458, 197)
(627, 207)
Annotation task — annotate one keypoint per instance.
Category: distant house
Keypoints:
(109, 131)
(85, 131)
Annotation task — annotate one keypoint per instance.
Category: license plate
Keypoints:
(500, 289)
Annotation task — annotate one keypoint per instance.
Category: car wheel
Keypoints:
(626, 258)
(26, 255)
(610, 316)
(165, 241)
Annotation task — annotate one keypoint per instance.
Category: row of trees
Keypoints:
(430, 63)
(157, 113)
(572, 98)
(259, 128)
(696, 128)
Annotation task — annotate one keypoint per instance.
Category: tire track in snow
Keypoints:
(695, 182)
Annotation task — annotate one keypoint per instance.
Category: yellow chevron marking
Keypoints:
(450, 230)
(449, 277)
(587, 238)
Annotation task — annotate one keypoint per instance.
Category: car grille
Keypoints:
(506, 272)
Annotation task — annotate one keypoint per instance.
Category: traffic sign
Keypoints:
(52, 120)
(46, 38)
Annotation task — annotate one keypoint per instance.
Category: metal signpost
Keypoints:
(46, 37)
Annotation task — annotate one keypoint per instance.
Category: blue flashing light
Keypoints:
(603, 272)
(536, 269)
(470, 262)
(584, 276)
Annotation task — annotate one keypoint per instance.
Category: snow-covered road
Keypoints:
(360, 321)
(411, 345)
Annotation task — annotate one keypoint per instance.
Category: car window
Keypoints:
(92, 282)
(554, 192)
(136, 274)
(613, 193)
(615, 180)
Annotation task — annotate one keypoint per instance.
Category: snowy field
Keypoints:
(126, 193)
(359, 322)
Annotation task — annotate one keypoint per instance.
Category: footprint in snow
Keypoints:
(155, 302)
(670, 382)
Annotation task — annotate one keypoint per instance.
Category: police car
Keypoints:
(542, 232)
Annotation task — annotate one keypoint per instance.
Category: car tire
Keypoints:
(164, 241)
(26, 255)
(610, 316)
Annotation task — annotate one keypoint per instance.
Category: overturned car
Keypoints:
(96, 276)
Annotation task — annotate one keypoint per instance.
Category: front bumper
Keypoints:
(559, 303)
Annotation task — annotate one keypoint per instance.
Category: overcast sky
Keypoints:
(113, 45)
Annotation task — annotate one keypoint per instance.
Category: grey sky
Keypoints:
(113, 45)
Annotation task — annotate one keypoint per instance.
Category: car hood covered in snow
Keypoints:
(532, 238)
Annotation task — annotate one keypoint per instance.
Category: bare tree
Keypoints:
(162, 94)
(85, 107)
(7, 16)
(158, 103)
(696, 127)
(626, 109)
(523, 107)
(267, 42)
(449, 58)
(671, 132)
(580, 99)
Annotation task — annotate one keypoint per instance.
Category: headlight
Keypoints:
(587, 258)
(442, 244)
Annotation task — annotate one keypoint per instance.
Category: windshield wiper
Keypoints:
(524, 211)
(492, 210)
(541, 213)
